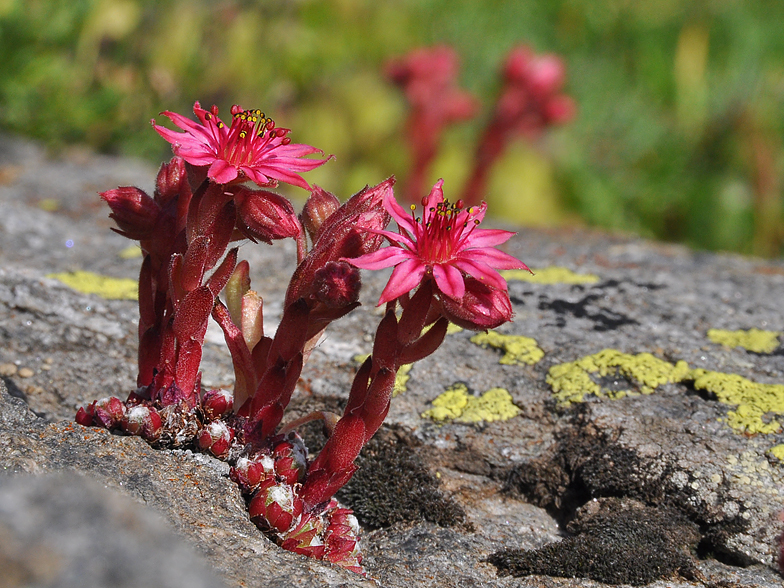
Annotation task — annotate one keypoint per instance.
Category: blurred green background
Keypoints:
(680, 104)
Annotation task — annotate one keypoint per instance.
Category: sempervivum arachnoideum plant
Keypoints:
(445, 270)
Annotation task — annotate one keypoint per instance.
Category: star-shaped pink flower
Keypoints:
(445, 243)
(251, 148)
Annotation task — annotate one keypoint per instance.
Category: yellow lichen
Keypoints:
(451, 329)
(130, 252)
(401, 379)
(753, 400)
(448, 405)
(49, 204)
(517, 349)
(550, 275)
(456, 404)
(571, 382)
(754, 340)
(103, 286)
(777, 451)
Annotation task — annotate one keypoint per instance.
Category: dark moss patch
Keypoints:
(616, 541)
(392, 485)
(587, 463)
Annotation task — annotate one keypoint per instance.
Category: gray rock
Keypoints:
(519, 481)
(68, 531)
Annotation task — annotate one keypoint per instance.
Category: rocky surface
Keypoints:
(504, 476)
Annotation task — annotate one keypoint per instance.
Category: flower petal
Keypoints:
(405, 277)
(402, 219)
(436, 195)
(386, 257)
(482, 272)
(493, 258)
(449, 280)
(487, 237)
(222, 172)
(281, 174)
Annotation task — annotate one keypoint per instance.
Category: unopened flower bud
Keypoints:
(349, 232)
(143, 421)
(217, 403)
(517, 67)
(560, 109)
(171, 179)
(337, 284)
(249, 474)
(265, 216)
(108, 412)
(276, 507)
(481, 307)
(318, 208)
(133, 210)
(216, 438)
(547, 75)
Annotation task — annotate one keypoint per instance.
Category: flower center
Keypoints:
(251, 133)
(443, 229)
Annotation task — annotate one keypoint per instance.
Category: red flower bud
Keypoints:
(548, 73)
(216, 438)
(108, 412)
(264, 216)
(172, 181)
(337, 284)
(276, 507)
(348, 232)
(217, 403)
(481, 307)
(143, 421)
(318, 208)
(249, 474)
(560, 109)
(134, 212)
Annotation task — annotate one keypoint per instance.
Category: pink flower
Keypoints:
(251, 148)
(445, 243)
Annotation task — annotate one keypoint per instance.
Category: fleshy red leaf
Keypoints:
(190, 320)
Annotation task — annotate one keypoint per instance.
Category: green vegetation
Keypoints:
(678, 135)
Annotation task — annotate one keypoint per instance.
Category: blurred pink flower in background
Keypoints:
(529, 103)
(428, 78)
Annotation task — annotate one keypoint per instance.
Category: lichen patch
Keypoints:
(401, 379)
(518, 350)
(456, 404)
(756, 405)
(103, 286)
(571, 381)
(550, 275)
(777, 451)
(130, 252)
(755, 340)
(753, 400)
